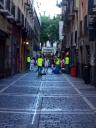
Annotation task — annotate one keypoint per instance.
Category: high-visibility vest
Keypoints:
(40, 62)
(57, 61)
(66, 60)
(28, 59)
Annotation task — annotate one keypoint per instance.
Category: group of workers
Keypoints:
(43, 63)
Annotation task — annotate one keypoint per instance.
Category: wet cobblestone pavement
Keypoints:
(50, 101)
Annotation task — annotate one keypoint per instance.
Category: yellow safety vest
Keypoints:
(57, 61)
(66, 60)
(40, 62)
(28, 59)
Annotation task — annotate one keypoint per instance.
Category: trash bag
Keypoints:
(43, 72)
(49, 71)
(56, 71)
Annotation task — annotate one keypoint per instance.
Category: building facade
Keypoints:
(17, 35)
(79, 34)
(92, 38)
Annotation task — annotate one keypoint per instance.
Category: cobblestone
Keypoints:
(16, 102)
(49, 101)
(67, 121)
(58, 91)
(14, 120)
(66, 103)
(20, 90)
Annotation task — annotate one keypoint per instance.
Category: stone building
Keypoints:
(79, 34)
(17, 34)
(71, 30)
(92, 38)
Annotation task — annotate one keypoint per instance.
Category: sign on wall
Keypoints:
(61, 35)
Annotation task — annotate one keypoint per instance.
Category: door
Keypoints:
(2, 44)
(95, 66)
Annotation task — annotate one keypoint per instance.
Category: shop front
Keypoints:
(3, 37)
(5, 45)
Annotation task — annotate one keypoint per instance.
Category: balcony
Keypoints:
(11, 17)
(22, 20)
(92, 7)
(75, 5)
(92, 34)
(75, 9)
(61, 4)
(27, 6)
(5, 10)
(70, 17)
(18, 17)
(1, 4)
(23, 23)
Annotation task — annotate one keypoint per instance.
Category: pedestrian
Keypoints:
(46, 65)
(40, 65)
(32, 64)
(52, 62)
(57, 65)
(28, 62)
(67, 63)
(63, 65)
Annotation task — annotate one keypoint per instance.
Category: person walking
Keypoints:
(67, 63)
(57, 64)
(28, 62)
(40, 65)
(32, 64)
(63, 65)
(46, 65)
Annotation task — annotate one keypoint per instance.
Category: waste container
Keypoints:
(73, 71)
(86, 74)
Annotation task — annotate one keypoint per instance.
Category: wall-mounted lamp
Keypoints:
(26, 43)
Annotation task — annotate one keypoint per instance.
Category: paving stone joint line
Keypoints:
(36, 105)
(2, 90)
(92, 107)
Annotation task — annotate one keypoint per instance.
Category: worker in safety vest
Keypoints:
(67, 63)
(57, 64)
(40, 65)
(28, 62)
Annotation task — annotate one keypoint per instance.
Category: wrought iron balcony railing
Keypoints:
(11, 17)
(91, 6)
(81, 28)
(13, 9)
(18, 16)
(23, 20)
(1, 3)
(6, 7)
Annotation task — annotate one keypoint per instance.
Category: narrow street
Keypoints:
(50, 101)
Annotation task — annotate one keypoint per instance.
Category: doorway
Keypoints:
(2, 54)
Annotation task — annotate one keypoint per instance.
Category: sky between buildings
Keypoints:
(48, 7)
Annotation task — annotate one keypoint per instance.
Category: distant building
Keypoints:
(48, 50)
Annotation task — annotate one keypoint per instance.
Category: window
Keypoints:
(22, 2)
(85, 25)
(75, 36)
(81, 28)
